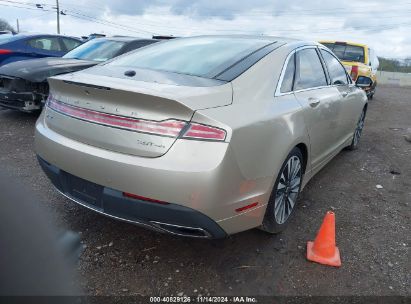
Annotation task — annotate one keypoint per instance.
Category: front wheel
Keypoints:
(285, 193)
(358, 131)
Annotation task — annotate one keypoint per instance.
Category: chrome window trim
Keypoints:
(349, 80)
(280, 80)
(324, 65)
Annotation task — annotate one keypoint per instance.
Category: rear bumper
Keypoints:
(198, 175)
(169, 218)
(25, 102)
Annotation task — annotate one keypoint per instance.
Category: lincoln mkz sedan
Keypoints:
(202, 137)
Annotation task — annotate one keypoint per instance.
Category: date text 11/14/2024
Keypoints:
(203, 299)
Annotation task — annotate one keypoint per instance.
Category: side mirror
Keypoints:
(363, 82)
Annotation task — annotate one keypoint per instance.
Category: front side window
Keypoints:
(6, 38)
(70, 43)
(288, 79)
(309, 73)
(47, 44)
(335, 69)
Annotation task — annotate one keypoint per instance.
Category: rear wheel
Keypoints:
(358, 131)
(284, 196)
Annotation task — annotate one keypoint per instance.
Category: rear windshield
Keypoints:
(197, 56)
(5, 38)
(98, 49)
(347, 52)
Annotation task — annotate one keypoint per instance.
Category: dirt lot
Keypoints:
(373, 225)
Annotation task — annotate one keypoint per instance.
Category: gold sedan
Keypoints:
(202, 137)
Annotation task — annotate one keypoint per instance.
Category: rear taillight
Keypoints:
(5, 52)
(204, 132)
(169, 127)
(354, 72)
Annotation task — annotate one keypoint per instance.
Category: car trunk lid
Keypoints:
(124, 115)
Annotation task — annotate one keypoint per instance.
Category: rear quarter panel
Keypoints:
(264, 128)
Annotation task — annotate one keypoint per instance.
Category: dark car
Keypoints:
(28, 46)
(23, 84)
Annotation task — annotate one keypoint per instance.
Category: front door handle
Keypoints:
(344, 94)
(313, 102)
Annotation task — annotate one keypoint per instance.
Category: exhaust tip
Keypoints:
(195, 232)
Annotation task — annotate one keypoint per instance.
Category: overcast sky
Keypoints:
(384, 25)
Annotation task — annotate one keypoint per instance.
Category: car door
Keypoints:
(348, 114)
(44, 46)
(321, 105)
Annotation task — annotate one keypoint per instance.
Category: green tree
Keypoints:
(393, 65)
(5, 26)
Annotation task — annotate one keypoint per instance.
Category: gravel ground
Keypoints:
(373, 225)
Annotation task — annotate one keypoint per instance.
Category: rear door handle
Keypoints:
(344, 94)
(313, 102)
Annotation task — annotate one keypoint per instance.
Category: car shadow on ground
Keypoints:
(19, 115)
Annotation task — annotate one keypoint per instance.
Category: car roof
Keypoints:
(344, 42)
(230, 69)
(124, 38)
(252, 37)
(29, 35)
(292, 42)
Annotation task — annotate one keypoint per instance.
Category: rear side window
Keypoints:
(310, 72)
(46, 43)
(70, 44)
(335, 69)
(6, 38)
(288, 80)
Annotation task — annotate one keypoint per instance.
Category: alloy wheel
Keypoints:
(287, 189)
(358, 130)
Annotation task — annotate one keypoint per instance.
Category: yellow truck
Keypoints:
(359, 60)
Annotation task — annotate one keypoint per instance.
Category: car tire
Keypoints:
(284, 194)
(374, 87)
(358, 131)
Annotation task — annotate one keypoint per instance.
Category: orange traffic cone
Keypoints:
(323, 249)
